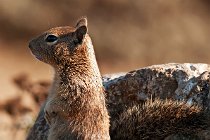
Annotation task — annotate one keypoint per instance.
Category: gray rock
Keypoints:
(183, 82)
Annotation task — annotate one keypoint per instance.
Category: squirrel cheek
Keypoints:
(58, 50)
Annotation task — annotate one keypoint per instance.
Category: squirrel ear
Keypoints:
(81, 22)
(80, 33)
(81, 29)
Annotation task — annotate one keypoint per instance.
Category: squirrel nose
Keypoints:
(30, 46)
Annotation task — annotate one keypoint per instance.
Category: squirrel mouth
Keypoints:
(36, 56)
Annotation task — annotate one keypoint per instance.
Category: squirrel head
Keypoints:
(62, 45)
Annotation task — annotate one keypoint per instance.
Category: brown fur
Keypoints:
(158, 119)
(76, 105)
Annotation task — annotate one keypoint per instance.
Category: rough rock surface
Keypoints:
(183, 82)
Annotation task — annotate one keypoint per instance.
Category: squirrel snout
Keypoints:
(30, 45)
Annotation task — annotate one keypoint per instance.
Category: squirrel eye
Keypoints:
(51, 38)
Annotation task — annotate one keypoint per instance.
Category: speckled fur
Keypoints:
(158, 119)
(75, 108)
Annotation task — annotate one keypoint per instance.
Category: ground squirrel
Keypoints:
(75, 108)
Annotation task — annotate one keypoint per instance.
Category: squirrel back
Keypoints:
(158, 119)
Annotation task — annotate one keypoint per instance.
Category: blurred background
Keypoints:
(127, 34)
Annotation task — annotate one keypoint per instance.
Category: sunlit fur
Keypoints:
(76, 106)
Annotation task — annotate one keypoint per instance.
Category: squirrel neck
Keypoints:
(79, 87)
(80, 71)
